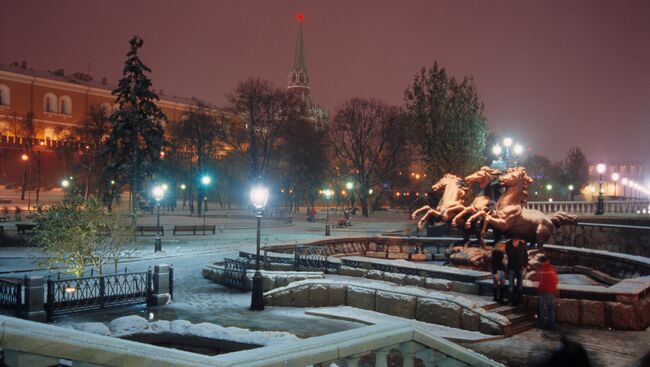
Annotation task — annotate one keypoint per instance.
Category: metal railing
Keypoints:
(88, 293)
(234, 273)
(310, 258)
(10, 296)
(589, 207)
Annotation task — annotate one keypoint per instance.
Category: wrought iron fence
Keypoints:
(10, 296)
(81, 294)
(234, 272)
(311, 258)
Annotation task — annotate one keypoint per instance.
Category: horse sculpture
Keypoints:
(450, 204)
(512, 218)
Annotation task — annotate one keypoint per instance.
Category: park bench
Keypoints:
(194, 229)
(149, 229)
(23, 228)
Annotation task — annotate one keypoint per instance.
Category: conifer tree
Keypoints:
(136, 138)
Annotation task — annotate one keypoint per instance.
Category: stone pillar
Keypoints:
(160, 295)
(408, 350)
(34, 299)
(381, 357)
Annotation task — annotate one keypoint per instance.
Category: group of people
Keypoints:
(511, 259)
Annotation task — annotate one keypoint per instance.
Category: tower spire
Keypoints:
(299, 76)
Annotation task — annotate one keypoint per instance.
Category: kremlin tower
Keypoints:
(299, 82)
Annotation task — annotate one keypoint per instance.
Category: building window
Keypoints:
(49, 103)
(5, 95)
(65, 105)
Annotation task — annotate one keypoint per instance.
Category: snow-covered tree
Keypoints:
(136, 139)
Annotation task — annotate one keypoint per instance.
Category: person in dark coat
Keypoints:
(517, 253)
(498, 273)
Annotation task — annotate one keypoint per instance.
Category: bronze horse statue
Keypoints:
(483, 202)
(511, 217)
(451, 203)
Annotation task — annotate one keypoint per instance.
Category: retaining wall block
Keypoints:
(438, 284)
(374, 274)
(470, 320)
(361, 298)
(414, 280)
(281, 281)
(490, 327)
(283, 298)
(624, 317)
(337, 295)
(462, 287)
(396, 278)
(438, 312)
(567, 311)
(396, 304)
(318, 295)
(301, 296)
(268, 282)
(592, 313)
(352, 272)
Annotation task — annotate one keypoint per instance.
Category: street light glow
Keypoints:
(164, 187)
(349, 185)
(601, 168)
(158, 193)
(616, 176)
(24, 157)
(370, 191)
(183, 187)
(624, 181)
(549, 187)
(65, 183)
(507, 142)
(206, 180)
(259, 197)
(497, 149)
(571, 187)
(518, 149)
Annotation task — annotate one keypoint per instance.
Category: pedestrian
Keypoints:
(498, 273)
(517, 253)
(547, 292)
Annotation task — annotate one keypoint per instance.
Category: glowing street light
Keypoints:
(259, 197)
(507, 142)
(65, 183)
(497, 150)
(518, 149)
(205, 181)
(624, 182)
(328, 194)
(549, 187)
(600, 208)
(158, 194)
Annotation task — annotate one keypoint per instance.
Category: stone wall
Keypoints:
(443, 311)
(631, 240)
(620, 266)
(601, 314)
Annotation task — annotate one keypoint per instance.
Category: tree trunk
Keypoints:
(364, 206)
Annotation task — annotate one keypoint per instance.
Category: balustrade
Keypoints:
(587, 207)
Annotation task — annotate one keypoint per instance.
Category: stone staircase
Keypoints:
(520, 321)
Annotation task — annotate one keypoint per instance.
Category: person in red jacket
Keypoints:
(547, 292)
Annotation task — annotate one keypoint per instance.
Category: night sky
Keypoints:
(552, 74)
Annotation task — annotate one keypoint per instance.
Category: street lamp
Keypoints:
(183, 187)
(205, 181)
(600, 207)
(349, 185)
(503, 152)
(259, 197)
(571, 187)
(615, 177)
(624, 183)
(65, 183)
(158, 194)
(328, 195)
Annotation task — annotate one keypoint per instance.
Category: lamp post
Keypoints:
(624, 183)
(259, 197)
(600, 207)
(504, 153)
(183, 187)
(615, 177)
(349, 185)
(328, 194)
(24, 158)
(205, 181)
(549, 187)
(158, 194)
(571, 187)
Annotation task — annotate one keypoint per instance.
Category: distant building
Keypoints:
(57, 103)
(300, 83)
(627, 171)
